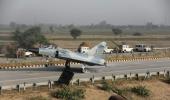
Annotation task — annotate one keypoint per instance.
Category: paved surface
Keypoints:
(31, 75)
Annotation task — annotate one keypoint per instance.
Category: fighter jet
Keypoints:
(93, 57)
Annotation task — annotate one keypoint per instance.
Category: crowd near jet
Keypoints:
(93, 57)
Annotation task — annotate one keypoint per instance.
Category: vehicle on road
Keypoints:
(107, 50)
(125, 48)
(142, 48)
(28, 54)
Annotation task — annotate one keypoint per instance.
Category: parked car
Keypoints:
(107, 50)
(28, 54)
(142, 48)
(125, 48)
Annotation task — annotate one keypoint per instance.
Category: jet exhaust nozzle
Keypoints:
(34, 50)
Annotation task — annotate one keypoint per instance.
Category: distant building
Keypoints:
(83, 47)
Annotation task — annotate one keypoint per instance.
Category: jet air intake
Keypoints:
(56, 54)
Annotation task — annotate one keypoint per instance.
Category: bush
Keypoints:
(37, 98)
(69, 94)
(118, 91)
(166, 80)
(106, 86)
(140, 90)
(137, 34)
(116, 31)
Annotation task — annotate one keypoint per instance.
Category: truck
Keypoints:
(107, 50)
(142, 48)
(125, 48)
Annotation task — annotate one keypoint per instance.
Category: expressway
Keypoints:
(35, 75)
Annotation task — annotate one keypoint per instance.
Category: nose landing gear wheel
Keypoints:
(67, 65)
(105, 64)
(84, 70)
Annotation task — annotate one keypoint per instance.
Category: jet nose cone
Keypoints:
(34, 50)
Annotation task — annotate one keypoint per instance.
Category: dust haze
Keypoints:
(82, 12)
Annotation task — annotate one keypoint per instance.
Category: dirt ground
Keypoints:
(92, 93)
(74, 44)
(159, 91)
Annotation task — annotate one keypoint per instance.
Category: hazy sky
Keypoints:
(85, 11)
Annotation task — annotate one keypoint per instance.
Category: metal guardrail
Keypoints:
(49, 81)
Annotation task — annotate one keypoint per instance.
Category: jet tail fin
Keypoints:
(98, 49)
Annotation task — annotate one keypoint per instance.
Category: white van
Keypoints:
(142, 48)
(126, 48)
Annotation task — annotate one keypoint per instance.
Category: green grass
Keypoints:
(106, 86)
(141, 91)
(68, 93)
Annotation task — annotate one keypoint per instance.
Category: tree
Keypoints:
(137, 34)
(75, 33)
(29, 38)
(116, 31)
(103, 23)
(70, 26)
(10, 50)
(13, 25)
(51, 29)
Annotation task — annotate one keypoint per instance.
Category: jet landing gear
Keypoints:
(66, 75)
(67, 65)
(105, 64)
(83, 69)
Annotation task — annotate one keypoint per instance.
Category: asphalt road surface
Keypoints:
(31, 75)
